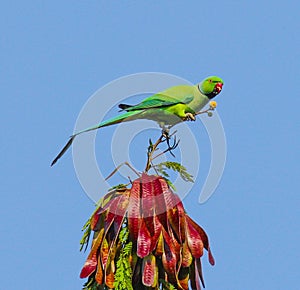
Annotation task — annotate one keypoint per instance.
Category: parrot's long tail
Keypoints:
(118, 119)
(62, 152)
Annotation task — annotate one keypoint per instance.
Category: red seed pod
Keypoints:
(166, 243)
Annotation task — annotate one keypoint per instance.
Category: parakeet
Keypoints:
(167, 108)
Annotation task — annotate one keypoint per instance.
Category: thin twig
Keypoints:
(118, 167)
(151, 151)
(206, 111)
(170, 148)
(165, 137)
(153, 166)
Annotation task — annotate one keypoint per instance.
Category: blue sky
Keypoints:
(55, 54)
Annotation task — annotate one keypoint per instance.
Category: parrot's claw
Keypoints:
(167, 137)
(166, 132)
(173, 146)
(189, 117)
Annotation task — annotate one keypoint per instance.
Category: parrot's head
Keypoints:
(211, 86)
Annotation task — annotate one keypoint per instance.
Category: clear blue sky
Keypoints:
(55, 54)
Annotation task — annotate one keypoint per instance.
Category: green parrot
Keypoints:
(167, 108)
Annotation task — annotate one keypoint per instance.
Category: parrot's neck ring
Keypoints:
(209, 95)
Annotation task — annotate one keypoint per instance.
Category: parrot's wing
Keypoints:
(157, 101)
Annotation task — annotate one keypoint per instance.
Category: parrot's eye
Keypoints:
(210, 81)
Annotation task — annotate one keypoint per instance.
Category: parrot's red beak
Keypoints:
(218, 87)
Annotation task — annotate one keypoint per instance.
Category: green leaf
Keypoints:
(150, 147)
(87, 228)
(175, 166)
(92, 284)
(123, 275)
(119, 186)
(86, 235)
(167, 285)
(150, 143)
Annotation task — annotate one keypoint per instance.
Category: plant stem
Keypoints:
(151, 151)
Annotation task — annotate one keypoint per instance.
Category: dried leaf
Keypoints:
(194, 278)
(203, 237)
(104, 252)
(160, 205)
(99, 273)
(149, 270)
(170, 201)
(199, 269)
(169, 257)
(194, 241)
(110, 279)
(143, 241)
(183, 278)
(147, 198)
(187, 258)
(160, 245)
(91, 261)
(157, 232)
(134, 210)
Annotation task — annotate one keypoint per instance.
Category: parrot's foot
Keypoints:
(189, 117)
(167, 138)
(166, 134)
(166, 131)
